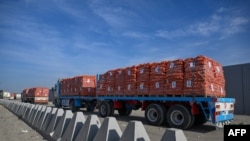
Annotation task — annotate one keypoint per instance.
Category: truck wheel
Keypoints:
(90, 107)
(105, 109)
(124, 112)
(72, 106)
(178, 116)
(155, 114)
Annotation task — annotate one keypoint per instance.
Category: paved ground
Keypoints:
(12, 128)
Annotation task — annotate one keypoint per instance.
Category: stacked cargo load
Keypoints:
(110, 82)
(65, 86)
(142, 79)
(158, 78)
(174, 77)
(38, 95)
(39, 92)
(199, 76)
(203, 77)
(79, 85)
(219, 79)
(119, 81)
(101, 85)
(130, 80)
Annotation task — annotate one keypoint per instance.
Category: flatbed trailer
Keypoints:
(177, 111)
(179, 105)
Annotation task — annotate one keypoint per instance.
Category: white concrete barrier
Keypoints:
(36, 116)
(39, 117)
(54, 121)
(56, 124)
(62, 125)
(49, 121)
(28, 112)
(76, 123)
(173, 134)
(135, 131)
(109, 130)
(89, 130)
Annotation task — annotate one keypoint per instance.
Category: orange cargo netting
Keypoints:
(130, 80)
(174, 77)
(219, 79)
(200, 77)
(119, 81)
(110, 82)
(79, 85)
(25, 92)
(157, 78)
(142, 79)
(101, 85)
(37, 92)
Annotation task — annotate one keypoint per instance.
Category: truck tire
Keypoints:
(124, 112)
(179, 116)
(72, 106)
(105, 109)
(90, 107)
(155, 114)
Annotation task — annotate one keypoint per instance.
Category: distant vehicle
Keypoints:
(4, 94)
(18, 96)
(12, 96)
(35, 95)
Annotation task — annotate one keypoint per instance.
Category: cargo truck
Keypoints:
(35, 95)
(180, 93)
(4, 94)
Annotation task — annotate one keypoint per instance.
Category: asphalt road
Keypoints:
(12, 128)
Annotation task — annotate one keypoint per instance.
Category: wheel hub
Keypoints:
(177, 117)
(152, 115)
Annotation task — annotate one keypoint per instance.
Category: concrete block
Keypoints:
(135, 131)
(89, 129)
(173, 134)
(40, 110)
(24, 110)
(10, 105)
(109, 130)
(28, 112)
(48, 121)
(76, 123)
(52, 120)
(15, 107)
(18, 107)
(34, 116)
(42, 114)
(62, 125)
(20, 111)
